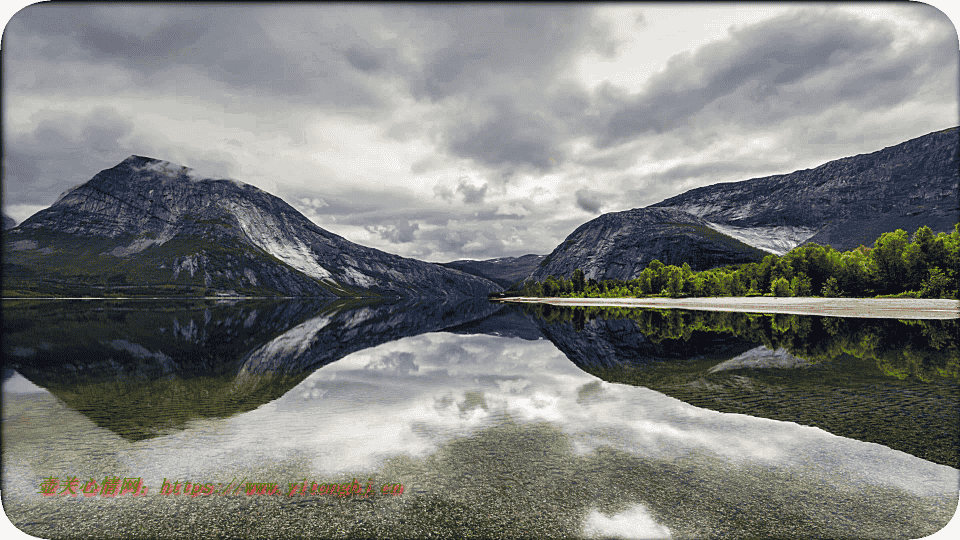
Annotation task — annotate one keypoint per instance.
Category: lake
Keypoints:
(473, 419)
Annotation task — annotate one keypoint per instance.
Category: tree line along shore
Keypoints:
(926, 265)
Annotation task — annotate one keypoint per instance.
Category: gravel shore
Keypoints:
(883, 308)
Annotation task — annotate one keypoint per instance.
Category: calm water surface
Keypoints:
(496, 421)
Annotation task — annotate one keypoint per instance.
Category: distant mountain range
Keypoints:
(150, 227)
(843, 203)
(504, 271)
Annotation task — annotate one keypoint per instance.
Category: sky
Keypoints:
(465, 131)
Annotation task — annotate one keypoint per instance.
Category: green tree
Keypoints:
(831, 289)
(765, 275)
(855, 271)
(673, 276)
(887, 257)
(800, 285)
(781, 287)
(550, 287)
(937, 285)
(578, 281)
(712, 285)
(783, 268)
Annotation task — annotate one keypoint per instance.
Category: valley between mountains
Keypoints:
(147, 227)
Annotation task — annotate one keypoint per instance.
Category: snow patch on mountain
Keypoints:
(777, 240)
(141, 243)
(266, 232)
(355, 277)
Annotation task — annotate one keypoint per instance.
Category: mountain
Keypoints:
(619, 245)
(147, 226)
(8, 222)
(504, 271)
(842, 203)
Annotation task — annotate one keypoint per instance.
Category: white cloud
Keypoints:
(635, 523)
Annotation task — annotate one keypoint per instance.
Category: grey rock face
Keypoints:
(620, 245)
(155, 212)
(842, 203)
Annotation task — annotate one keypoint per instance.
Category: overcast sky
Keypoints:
(465, 131)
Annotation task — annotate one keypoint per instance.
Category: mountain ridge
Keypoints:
(150, 221)
(504, 271)
(842, 203)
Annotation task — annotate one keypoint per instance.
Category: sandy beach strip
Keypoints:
(883, 308)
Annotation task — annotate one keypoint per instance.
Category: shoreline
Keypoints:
(881, 308)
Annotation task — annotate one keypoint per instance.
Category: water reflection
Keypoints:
(886, 381)
(143, 368)
(490, 435)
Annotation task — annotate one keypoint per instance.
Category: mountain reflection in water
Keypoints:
(492, 430)
(886, 381)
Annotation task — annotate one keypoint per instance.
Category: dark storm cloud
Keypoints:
(365, 58)
(116, 31)
(587, 201)
(508, 69)
(510, 136)
(400, 232)
(471, 193)
(233, 46)
(757, 74)
(493, 58)
(77, 49)
(504, 42)
(61, 151)
(474, 243)
(65, 149)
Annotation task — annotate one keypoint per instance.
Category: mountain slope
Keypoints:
(842, 203)
(619, 245)
(148, 223)
(504, 271)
